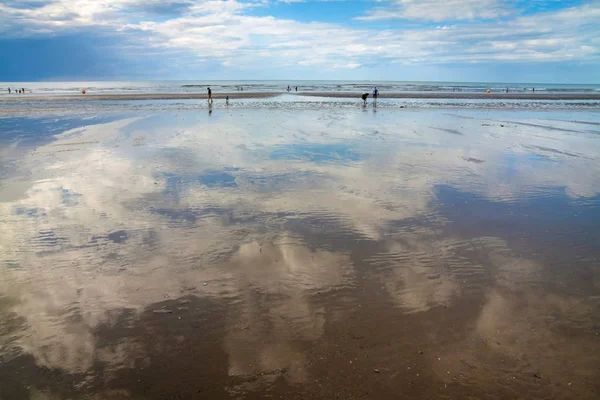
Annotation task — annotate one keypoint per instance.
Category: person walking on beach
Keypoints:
(532, 90)
(364, 98)
(375, 94)
(296, 88)
(227, 100)
(8, 90)
(209, 94)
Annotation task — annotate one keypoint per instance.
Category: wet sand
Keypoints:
(260, 95)
(463, 95)
(315, 254)
(135, 96)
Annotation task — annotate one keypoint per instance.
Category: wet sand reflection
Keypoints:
(173, 255)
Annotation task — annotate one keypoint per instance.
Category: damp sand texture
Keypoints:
(317, 253)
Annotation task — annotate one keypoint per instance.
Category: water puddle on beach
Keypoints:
(300, 254)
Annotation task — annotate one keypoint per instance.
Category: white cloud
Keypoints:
(441, 10)
(224, 32)
(284, 42)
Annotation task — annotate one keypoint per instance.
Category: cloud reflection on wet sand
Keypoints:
(277, 230)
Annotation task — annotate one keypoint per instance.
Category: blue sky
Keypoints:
(461, 40)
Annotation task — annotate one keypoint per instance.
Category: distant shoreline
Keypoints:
(249, 95)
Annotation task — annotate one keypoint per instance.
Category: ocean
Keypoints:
(177, 86)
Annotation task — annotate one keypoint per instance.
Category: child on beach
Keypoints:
(364, 97)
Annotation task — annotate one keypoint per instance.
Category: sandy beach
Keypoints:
(459, 95)
(300, 253)
(260, 95)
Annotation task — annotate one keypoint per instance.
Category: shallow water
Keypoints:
(303, 253)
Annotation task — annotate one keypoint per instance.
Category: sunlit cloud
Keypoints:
(440, 10)
(232, 34)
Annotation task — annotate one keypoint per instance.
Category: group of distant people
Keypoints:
(241, 88)
(18, 91)
(289, 89)
(532, 90)
(507, 90)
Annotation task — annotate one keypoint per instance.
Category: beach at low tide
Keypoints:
(36, 98)
(301, 248)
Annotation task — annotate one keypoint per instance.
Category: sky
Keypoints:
(427, 40)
